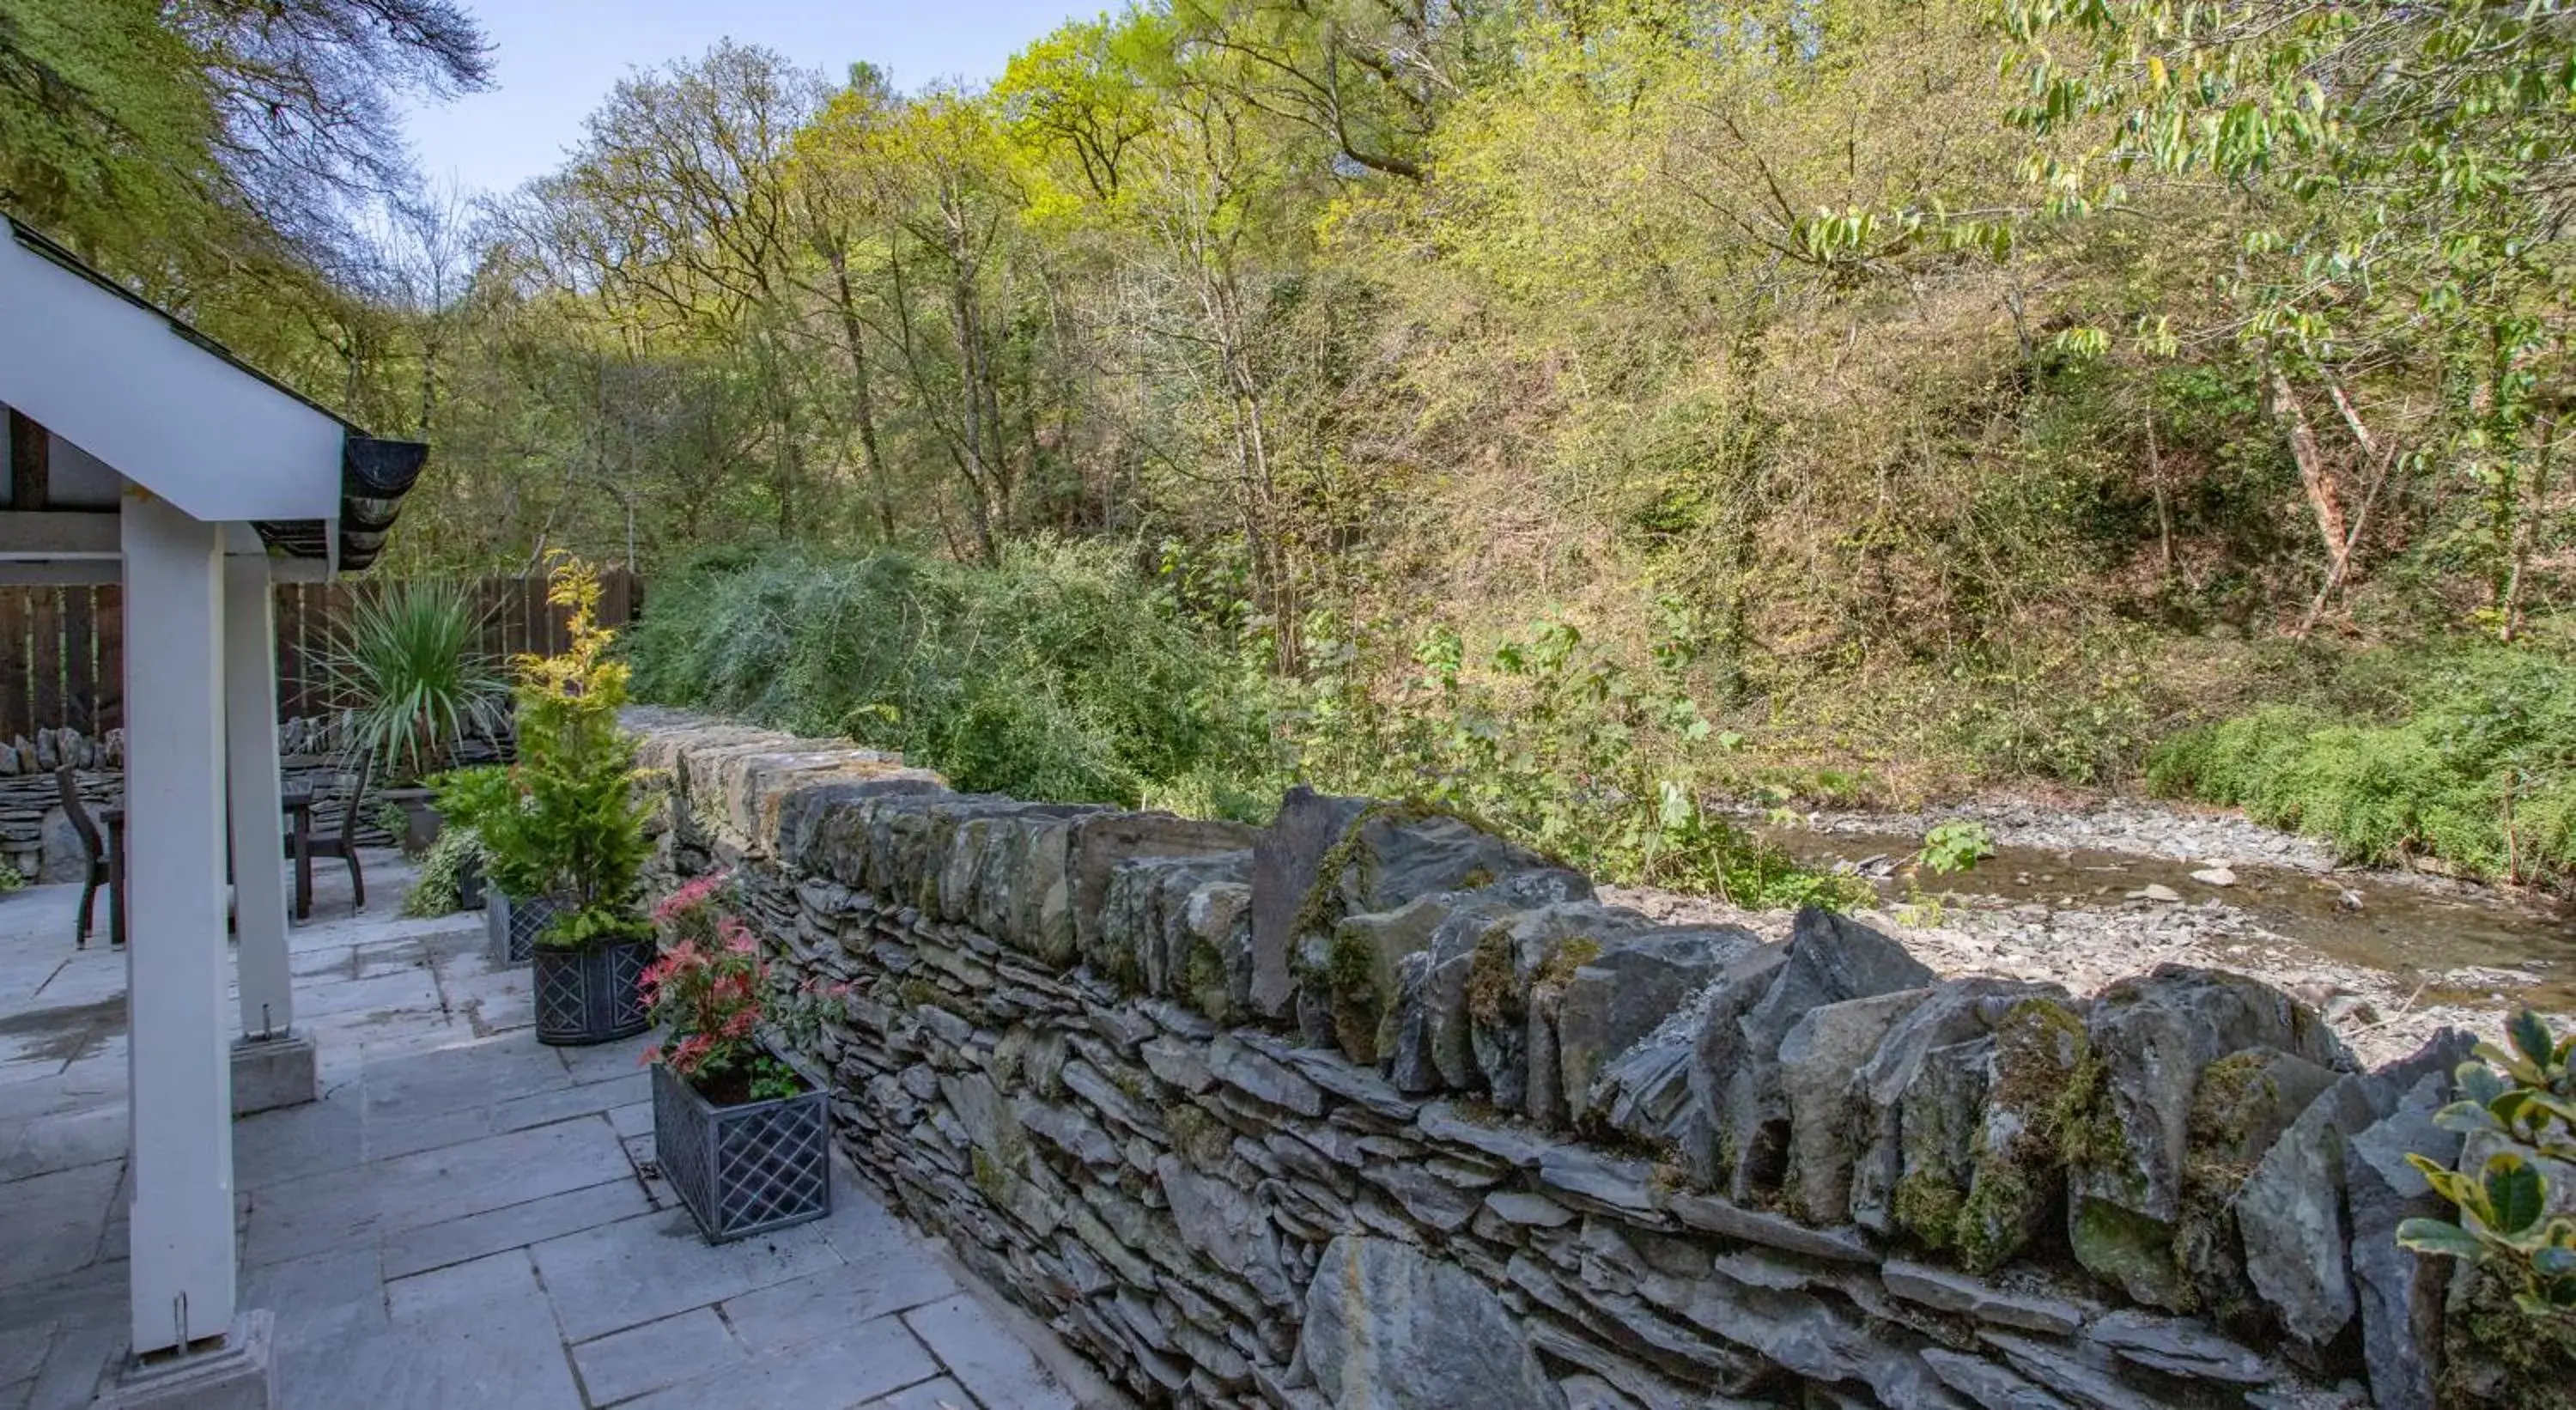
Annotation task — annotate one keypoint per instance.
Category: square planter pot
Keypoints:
(591, 995)
(749, 1168)
(510, 924)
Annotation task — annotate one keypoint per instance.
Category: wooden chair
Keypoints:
(305, 845)
(101, 870)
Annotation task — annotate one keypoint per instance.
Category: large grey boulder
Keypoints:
(1717, 1048)
(1829, 959)
(1818, 1062)
(1622, 995)
(1097, 845)
(2400, 1293)
(2017, 1178)
(1426, 1038)
(1221, 1220)
(1919, 1104)
(1389, 1328)
(2290, 1215)
(2151, 1037)
(1285, 859)
(1164, 923)
(1514, 980)
(2240, 1109)
(1381, 856)
(1645, 1092)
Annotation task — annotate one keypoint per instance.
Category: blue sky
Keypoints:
(558, 58)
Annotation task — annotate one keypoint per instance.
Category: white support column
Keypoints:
(258, 833)
(183, 1271)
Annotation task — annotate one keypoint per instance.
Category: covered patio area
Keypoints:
(244, 1163)
(465, 1218)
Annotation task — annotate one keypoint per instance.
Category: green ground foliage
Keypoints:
(1056, 674)
(2471, 764)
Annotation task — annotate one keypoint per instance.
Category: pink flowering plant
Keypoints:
(716, 999)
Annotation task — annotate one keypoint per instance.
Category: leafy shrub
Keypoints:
(2513, 1334)
(436, 889)
(489, 802)
(11, 879)
(716, 1000)
(1058, 674)
(1553, 743)
(2079, 711)
(2477, 768)
(1955, 846)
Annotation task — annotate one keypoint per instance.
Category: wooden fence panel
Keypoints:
(62, 649)
(108, 620)
(45, 655)
(80, 654)
(286, 611)
(14, 673)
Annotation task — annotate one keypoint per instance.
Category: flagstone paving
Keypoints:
(466, 1218)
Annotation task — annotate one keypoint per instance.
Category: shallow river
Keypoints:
(2400, 923)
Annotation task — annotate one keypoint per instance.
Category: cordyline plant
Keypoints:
(2523, 1098)
(411, 659)
(716, 1000)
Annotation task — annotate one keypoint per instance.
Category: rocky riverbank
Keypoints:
(2084, 896)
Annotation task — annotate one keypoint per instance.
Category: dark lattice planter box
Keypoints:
(749, 1168)
(511, 923)
(590, 995)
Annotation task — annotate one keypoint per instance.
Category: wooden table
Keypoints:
(295, 802)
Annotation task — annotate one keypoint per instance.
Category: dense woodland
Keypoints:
(1832, 400)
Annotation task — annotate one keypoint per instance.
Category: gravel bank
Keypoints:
(2383, 1016)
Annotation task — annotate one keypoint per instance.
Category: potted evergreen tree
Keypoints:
(740, 1129)
(580, 828)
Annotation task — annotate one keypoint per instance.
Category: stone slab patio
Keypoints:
(466, 1218)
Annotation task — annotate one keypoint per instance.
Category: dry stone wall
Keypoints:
(1369, 1108)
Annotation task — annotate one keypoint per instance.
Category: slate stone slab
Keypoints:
(1389, 1329)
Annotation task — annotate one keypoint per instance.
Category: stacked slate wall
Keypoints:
(1370, 1108)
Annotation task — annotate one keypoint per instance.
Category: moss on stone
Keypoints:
(1993, 1222)
(2089, 1134)
(2015, 1176)
(1928, 1207)
(1570, 954)
(2132, 1250)
(1201, 1139)
(1493, 979)
(2038, 1042)
(1350, 961)
(1322, 908)
(989, 1176)
(1203, 972)
(2499, 1355)
(2225, 1099)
